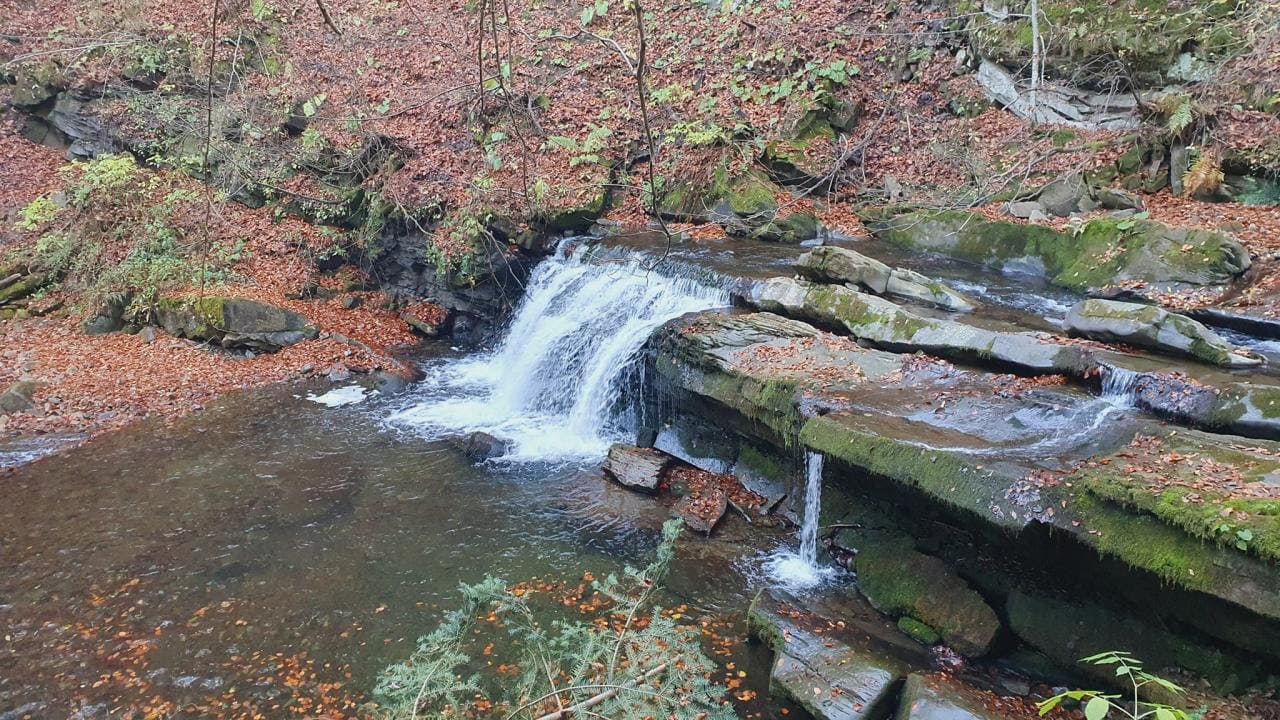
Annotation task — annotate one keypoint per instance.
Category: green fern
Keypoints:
(1181, 118)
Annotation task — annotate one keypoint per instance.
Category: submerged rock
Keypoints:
(825, 674)
(831, 263)
(702, 514)
(233, 323)
(1102, 252)
(1151, 327)
(637, 468)
(902, 582)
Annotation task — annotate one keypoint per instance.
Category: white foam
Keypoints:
(339, 397)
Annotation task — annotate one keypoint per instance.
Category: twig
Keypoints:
(597, 699)
(324, 13)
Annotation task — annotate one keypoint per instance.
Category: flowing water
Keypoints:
(801, 570)
(552, 389)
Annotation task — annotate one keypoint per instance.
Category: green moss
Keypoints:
(918, 631)
(1146, 543)
(752, 194)
(949, 479)
(849, 309)
(1244, 524)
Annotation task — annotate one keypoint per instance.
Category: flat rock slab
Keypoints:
(823, 673)
(830, 263)
(925, 698)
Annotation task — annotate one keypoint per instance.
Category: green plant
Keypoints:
(123, 228)
(1097, 704)
(638, 665)
(589, 150)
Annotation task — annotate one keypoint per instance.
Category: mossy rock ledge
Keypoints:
(788, 385)
(1152, 327)
(233, 322)
(1103, 252)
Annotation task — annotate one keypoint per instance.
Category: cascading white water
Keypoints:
(552, 387)
(1120, 386)
(801, 570)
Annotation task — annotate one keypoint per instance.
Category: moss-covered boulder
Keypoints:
(831, 263)
(902, 582)
(1067, 631)
(233, 322)
(1100, 253)
(805, 155)
(1152, 327)
(36, 84)
(751, 195)
(21, 286)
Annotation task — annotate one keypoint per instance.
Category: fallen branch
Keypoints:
(324, 13)
(597, 699)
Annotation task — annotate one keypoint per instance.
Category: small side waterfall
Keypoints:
(553, 387)
(801, 570)
(1120, 386)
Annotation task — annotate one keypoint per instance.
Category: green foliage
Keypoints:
(120, 230)
(1098, 705)
(589, 151)
(642, 666)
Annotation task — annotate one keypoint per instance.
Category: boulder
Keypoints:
(886, 325)
(17, 288)
(1152, 327)
(20, 397)
(233, 323)
(481, 446)
(828, 263)
(637, 468)
(902, 582)
(934, 698)
(1104, 251)
(828, 675)
(110, 317)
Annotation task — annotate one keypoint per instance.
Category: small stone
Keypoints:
(349, 302)
(338, 373)
(1025, 209)
(148, 334)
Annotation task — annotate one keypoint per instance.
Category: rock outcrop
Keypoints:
(233, 322)
(830, 263)
(1151, 327)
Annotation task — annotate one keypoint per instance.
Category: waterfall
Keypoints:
(1120, 386)
(553, 388)
(797, 571)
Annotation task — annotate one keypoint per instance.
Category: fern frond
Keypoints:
(1181, 117)
(1205, 176)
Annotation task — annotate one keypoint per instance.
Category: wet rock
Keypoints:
(1067, 631)
(902, 582)
(637, 468)
(831, 263)
(1105, 251)
(481, 446)
(233, 323)
(577, 218)
(918, 631)
(19, 397)
(924, 698)
(1151, 327)
(702, 514)
(421, 326)
(889, 326)
(825, 674)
